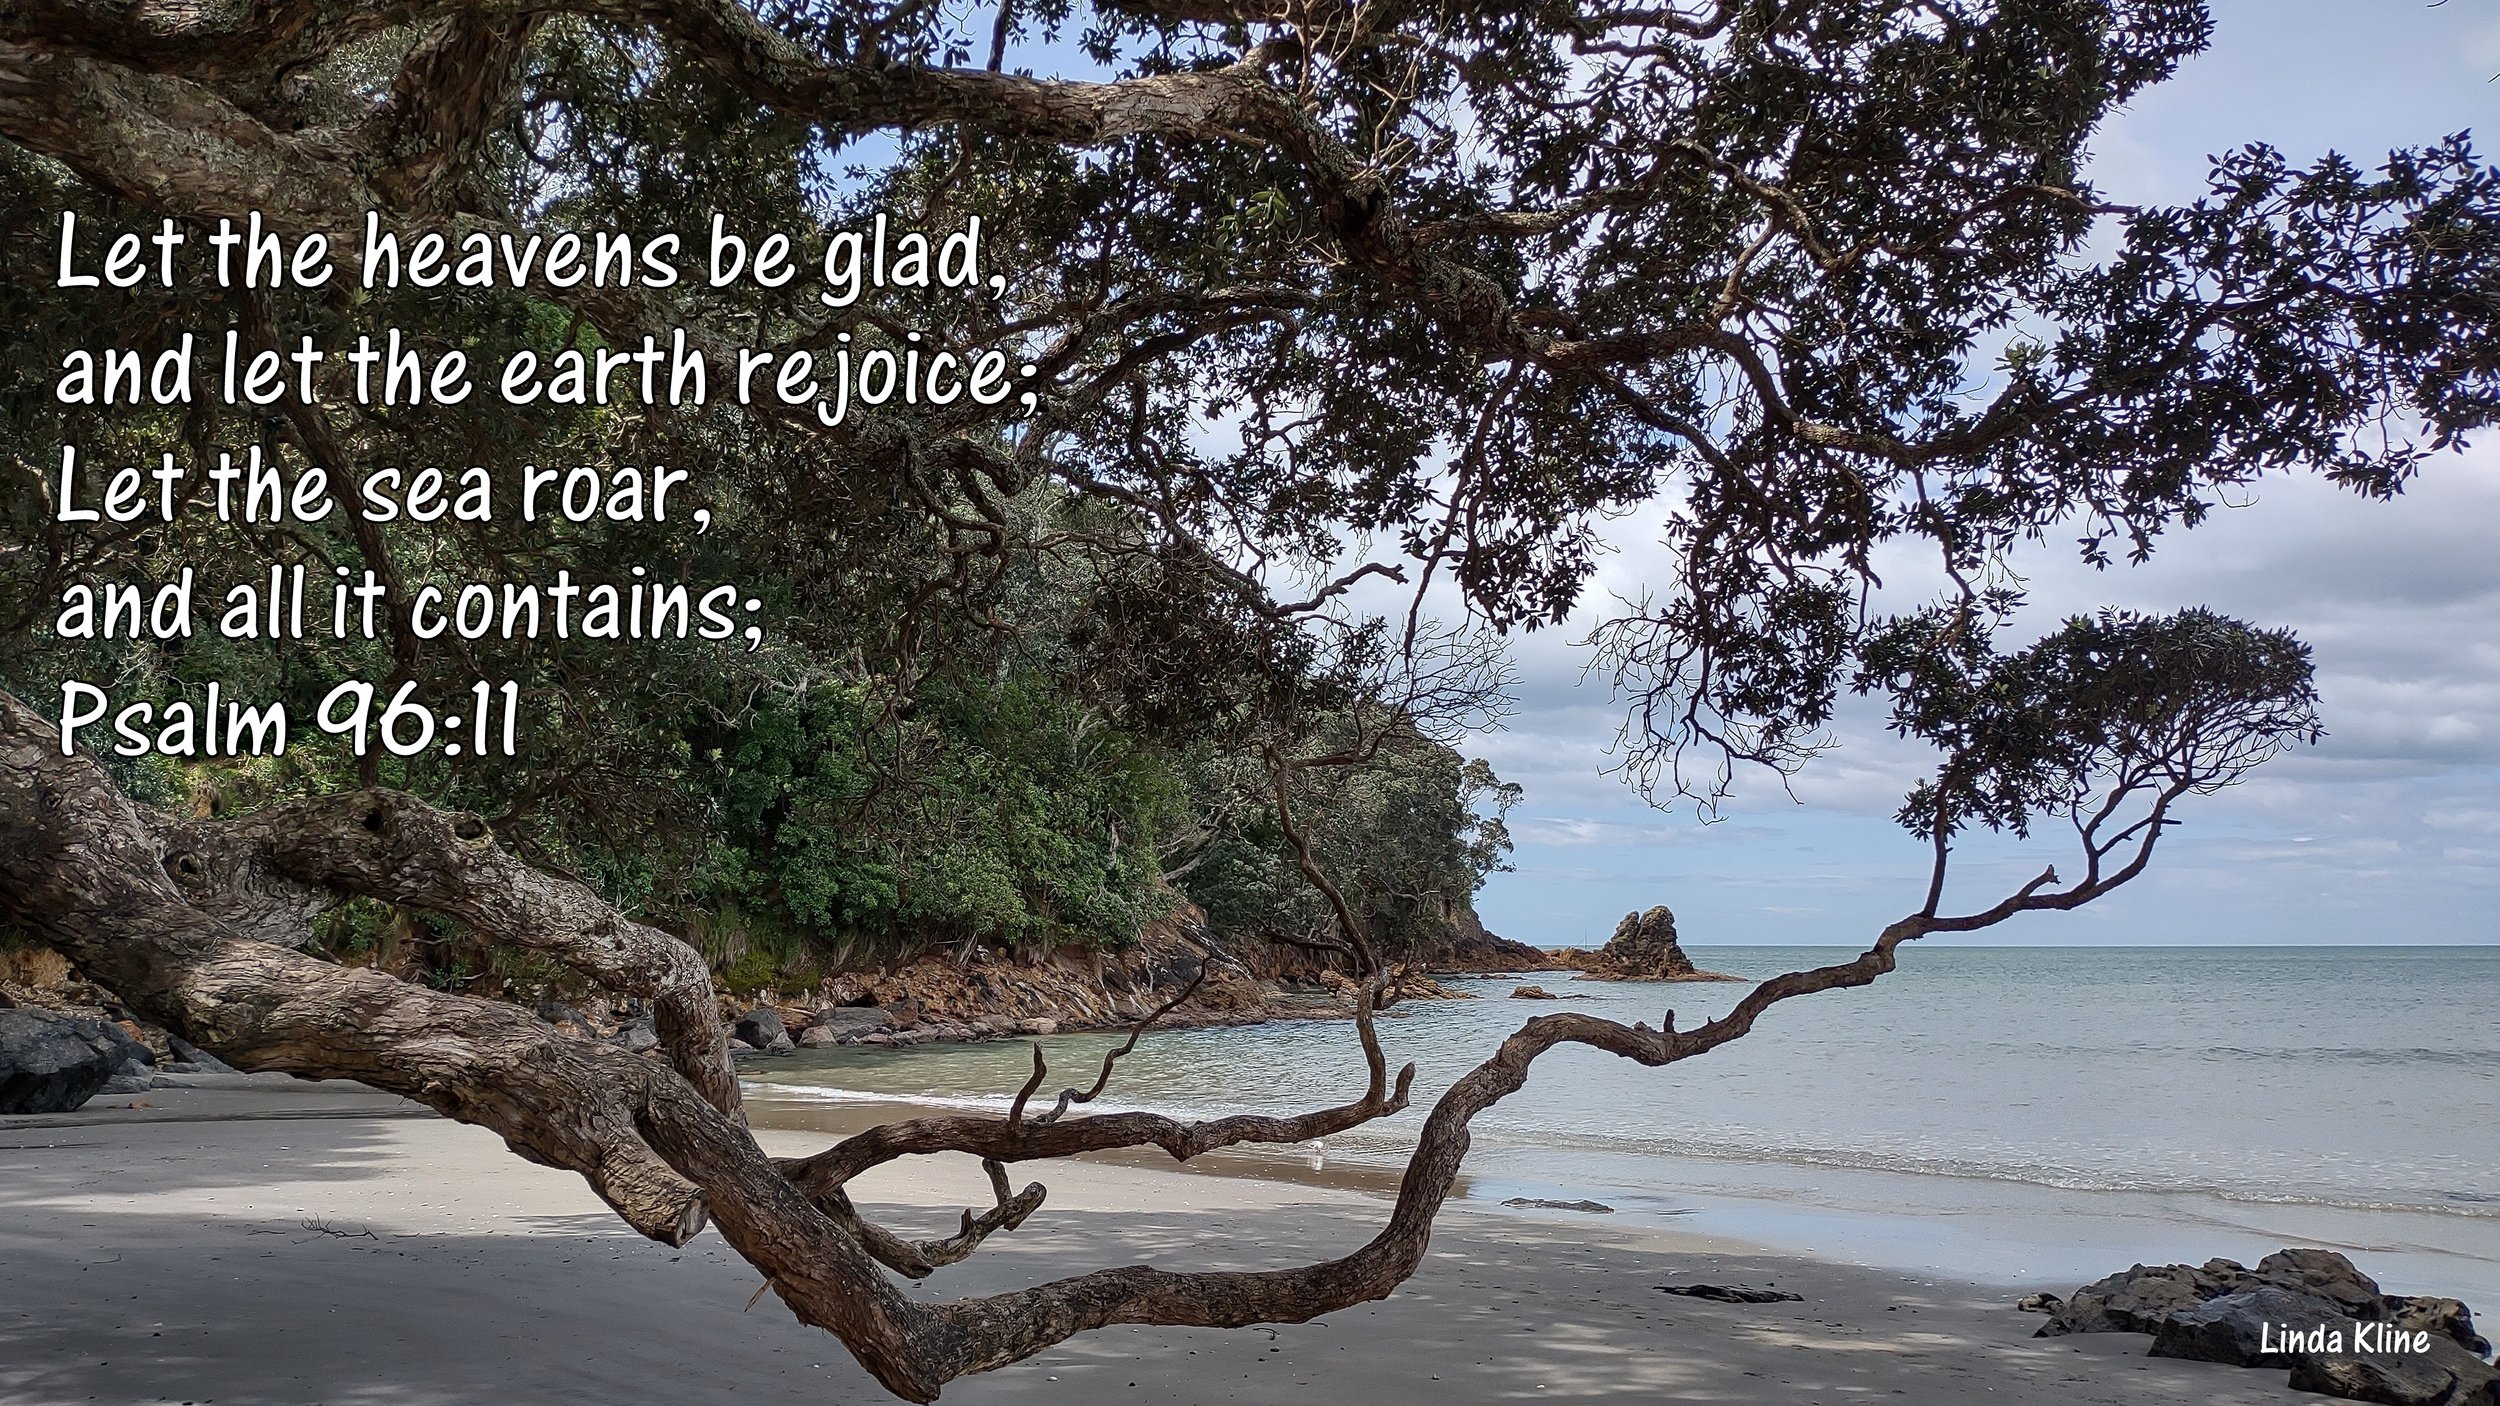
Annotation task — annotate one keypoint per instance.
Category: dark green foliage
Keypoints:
(2108, 704)
(1005, 814)
(1409, 838)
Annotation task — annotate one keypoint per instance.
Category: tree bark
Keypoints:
(191, 924)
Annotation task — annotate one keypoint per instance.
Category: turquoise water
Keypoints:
(2014, 1114)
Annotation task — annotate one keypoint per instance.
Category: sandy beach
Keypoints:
(259, 1241)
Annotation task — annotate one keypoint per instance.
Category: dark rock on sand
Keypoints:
(2234, 1328)
(1644, 949)
(2445, 1318)
(1730, 1293)
(54, 1064)
(200, 1060)
(130, 1055)
(2445, 1375)
(2137, 1300)
(139, 1064)
(2327, 1275)
(1598, 1208)
(2312, 1311)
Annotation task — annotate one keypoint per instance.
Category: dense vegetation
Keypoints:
(882, 777)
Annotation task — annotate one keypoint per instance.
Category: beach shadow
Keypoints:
(41, 1166)
(122, 1301)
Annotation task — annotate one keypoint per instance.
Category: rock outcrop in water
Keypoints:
(2309, 1310)
(1644, 949)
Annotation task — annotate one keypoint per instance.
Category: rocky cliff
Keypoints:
(1470, 948)
(971, 991)
(975, 992)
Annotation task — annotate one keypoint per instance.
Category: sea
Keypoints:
(2038, 1116)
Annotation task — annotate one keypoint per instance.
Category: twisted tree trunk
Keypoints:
(193, 924)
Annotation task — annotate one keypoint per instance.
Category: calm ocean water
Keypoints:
(2011, 1114)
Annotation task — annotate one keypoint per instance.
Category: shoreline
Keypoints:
(1939, 1226)
(249, 1241)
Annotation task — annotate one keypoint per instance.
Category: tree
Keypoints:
(1327, 299)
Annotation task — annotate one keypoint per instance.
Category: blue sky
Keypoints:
(2388, 832)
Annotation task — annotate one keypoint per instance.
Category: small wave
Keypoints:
(2458, 1059)
(976, 1103)
(2288, 1056)
(2063, 1178)
(1387, 1145)
(825, 1093)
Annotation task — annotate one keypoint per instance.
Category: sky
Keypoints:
(2388, 832)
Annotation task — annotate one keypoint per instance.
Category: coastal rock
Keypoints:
(1470, 948)
(131, 1055)
(2446, 1375)
(2137, 1300)
(982, 991)
(2236, 1328)
(54, 1064)
(1595, 1208)
(2309, 1310)
(200, 1059)
(1730, 1293)
(2325, 1274)
(1532, 993)
(762, 1026)
(1644, 949)
(2443, 1317)
(638, 1034)
(835, 1024)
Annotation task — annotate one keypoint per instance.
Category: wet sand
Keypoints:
(250, 1242)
